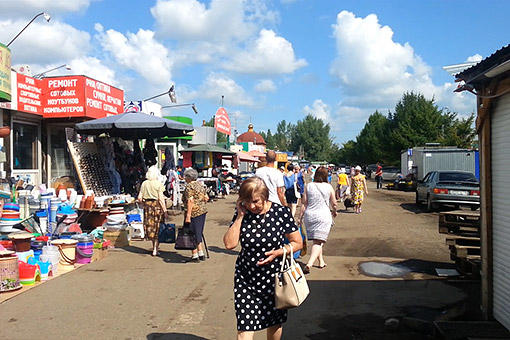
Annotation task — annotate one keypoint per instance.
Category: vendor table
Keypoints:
(212, 185)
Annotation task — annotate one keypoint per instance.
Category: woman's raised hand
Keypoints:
(241, 209)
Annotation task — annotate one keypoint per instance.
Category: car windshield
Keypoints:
(457, 177)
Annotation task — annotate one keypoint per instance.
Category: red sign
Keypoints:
(222, 122)
(30, 95)
(79, 96)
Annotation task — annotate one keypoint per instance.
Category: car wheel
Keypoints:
(430, 206)
(418, 202)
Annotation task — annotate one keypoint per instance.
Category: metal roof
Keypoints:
(482, 71)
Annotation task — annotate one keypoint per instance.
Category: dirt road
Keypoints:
(380, 264)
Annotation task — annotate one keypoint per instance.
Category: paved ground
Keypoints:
(132, 295)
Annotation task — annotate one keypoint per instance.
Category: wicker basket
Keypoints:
(9, 273)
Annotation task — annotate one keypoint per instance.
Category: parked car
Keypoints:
(371, 170)
(458, 188)
(390, 173)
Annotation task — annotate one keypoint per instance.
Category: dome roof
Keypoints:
(251, 136)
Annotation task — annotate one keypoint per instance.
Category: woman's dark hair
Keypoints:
(321, 175)
(253, 186)
(290, 167)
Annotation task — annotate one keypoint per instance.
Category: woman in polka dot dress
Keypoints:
(260, 226)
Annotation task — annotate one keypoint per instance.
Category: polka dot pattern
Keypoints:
(253, 284)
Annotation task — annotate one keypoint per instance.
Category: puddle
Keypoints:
(381, 269)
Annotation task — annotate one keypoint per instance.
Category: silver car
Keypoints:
(449, 187)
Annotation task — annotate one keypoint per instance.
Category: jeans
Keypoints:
(378, 179)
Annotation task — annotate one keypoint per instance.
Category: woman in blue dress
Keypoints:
(260, 226)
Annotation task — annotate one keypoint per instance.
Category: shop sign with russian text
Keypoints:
(5, 73)
(79, 96)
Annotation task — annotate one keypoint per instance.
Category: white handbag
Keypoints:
(290, 285)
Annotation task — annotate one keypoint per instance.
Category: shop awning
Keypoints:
(208, 148)
(256, 153)
(246, 157)
(134, 125)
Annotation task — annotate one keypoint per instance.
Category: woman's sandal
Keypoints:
(306, 270)
(323, 266)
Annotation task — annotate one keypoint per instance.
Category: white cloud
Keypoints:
(269, 54)
(139, 52)
(29, 8)
(374, 71)
(265, 85)
(319, 109)
(44, 43)
(474, 58)
(192, 20)
(372, 68)
(217, 85)
(94, 68)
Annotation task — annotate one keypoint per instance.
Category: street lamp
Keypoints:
(178, 105)
(46, 16)
(170, 92)
(40, 75)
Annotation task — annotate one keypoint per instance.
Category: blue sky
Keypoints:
(271, 60)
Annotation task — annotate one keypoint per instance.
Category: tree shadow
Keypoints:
(425, 267)
(420, 209)
(219, 250)
(167, 256)
(173, 336)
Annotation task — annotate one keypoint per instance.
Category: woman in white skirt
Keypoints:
(318, 208)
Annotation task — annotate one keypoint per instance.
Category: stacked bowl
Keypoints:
(10, 217)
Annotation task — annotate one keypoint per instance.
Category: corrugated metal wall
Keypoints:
(448, 159)
(500, 171)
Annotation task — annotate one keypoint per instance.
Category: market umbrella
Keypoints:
(208, 148)
(134, 125)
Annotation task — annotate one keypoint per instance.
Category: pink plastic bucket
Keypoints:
(84, 252)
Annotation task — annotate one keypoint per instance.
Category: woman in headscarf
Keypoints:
(359, 188)
(154, 206)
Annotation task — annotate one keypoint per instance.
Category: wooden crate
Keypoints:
(118, 239)
(452, 240)
(460, 222)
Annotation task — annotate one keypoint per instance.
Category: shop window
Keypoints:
(25, 139)
(61, 163)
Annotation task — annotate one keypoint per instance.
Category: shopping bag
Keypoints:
(302, 230)
(296, 190)
(166, 233)
(185, 239)
(291, 288)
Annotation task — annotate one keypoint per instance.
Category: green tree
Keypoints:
(269, 139)
(348, 154)
(313, 136)
(282, 137)
(372, 140)
(220, 137)
(460, 133)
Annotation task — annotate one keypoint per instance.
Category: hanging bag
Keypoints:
(296, 189)
(185, 239)
(291, 288)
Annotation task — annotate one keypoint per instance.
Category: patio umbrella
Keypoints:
(134, 125)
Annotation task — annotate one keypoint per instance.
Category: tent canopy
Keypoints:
(134, 125)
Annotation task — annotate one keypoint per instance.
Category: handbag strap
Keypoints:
(284, 259)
